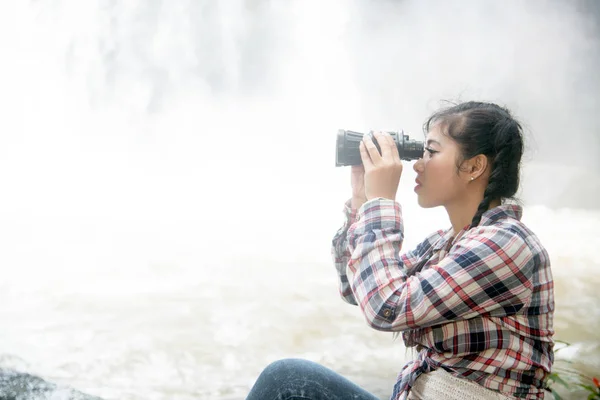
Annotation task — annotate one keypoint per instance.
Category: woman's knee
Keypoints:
(288, 368)
(281, 379)
(292, 378)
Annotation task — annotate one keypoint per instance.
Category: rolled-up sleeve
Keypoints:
(341, 253)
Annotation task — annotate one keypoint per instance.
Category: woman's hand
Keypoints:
(382, 172)
(358, 186)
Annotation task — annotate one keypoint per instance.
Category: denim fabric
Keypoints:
(297, 379)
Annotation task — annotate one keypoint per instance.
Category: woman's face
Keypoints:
(438, 183)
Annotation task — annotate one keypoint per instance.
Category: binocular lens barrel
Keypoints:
(348, 153)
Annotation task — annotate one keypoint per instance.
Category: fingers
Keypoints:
(358, 169)
(374, 154)
(384, 143)
(382, 171)
(364, 155)
(389, 150)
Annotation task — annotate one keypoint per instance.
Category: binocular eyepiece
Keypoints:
(348, 153)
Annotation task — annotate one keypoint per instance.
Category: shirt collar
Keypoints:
(513, 211)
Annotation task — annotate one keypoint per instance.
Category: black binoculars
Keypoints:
(348, 153)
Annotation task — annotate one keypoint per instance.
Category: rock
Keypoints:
(21, 386)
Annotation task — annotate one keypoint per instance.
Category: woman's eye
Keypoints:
(430, 150)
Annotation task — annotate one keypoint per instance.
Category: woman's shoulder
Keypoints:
(503, 224)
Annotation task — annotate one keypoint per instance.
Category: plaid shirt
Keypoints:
(481, 307)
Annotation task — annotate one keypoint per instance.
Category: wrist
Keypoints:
(385, 196)
(357, 202)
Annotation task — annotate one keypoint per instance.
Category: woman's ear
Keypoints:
(476, 166)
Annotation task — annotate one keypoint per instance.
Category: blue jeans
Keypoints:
(297, 379)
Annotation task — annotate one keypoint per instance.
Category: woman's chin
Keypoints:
(424, 202)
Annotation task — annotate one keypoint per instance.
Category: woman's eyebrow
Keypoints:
(429, 141)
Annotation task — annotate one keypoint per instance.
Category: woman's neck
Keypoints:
(461, 213)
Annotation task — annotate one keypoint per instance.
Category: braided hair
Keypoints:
(488, 129)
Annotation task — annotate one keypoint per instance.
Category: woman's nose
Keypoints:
(418, 165)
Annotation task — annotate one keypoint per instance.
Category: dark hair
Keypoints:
(491, 130)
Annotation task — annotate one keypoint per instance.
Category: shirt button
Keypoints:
(387, 313)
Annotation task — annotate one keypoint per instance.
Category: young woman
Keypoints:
(475, 300)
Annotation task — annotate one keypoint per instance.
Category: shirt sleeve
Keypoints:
(488, 271)
(341, 254)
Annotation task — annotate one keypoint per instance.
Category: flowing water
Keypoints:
(168, 190)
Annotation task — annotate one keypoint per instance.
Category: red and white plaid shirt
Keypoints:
(481, 307)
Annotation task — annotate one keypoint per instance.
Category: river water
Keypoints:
(168, 189)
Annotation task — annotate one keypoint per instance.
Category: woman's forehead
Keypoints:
(436, 134)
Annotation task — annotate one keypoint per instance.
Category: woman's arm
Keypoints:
(487, 271)
(341, 253)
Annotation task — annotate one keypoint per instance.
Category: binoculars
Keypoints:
(348, 152)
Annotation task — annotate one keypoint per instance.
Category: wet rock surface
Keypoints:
(22, 386)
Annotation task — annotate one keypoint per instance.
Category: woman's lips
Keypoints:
(418, 182)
